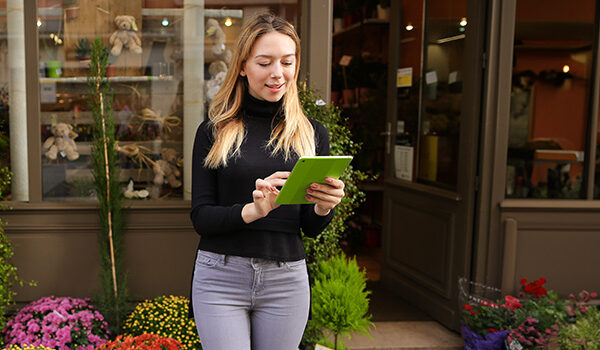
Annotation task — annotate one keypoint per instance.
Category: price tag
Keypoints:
(345, 60)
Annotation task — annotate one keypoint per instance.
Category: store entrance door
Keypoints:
(436, 50)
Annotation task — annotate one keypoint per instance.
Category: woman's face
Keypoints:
(270, 66)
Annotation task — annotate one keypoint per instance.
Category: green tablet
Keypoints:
(310, 170)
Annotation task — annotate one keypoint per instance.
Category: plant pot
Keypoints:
(474, 341)
(383, 13)
(110, 70)
(54, 68)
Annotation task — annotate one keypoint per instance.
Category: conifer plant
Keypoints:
(113, 294)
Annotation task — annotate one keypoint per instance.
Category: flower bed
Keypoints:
(533, 319)
(142, 342)
(60, 323)
(166, 316)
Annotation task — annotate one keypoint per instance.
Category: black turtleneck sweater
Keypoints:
(218, 195)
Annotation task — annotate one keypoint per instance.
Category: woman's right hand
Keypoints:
(264, 196)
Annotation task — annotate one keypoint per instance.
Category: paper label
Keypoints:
(431, 77)
(48, 93)
(452, 77)
(404, 162)
(404, 77)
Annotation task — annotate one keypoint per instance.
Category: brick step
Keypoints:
(410, 335)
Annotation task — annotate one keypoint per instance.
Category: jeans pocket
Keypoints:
(206, 260)
(295, 265)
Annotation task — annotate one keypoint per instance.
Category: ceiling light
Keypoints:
(228, 22)
(409, 26)
(165, 22)
(566, 68)
(463, 22)
(39, 22)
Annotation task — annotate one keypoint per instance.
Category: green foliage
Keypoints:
(83, 48)
(584, 334)
(106, 177)
(340, 301)
(166, 316)
(547, 309)
(8, 272)
(326, 244)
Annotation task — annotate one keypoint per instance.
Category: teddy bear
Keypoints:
(124, 36)
(167, 168)
(61, 142)
(219, 50)
(217, 71)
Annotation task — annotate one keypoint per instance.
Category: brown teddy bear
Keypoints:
(61, 143)
(167, 168)
(124, 36)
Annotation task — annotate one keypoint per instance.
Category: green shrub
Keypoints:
(340, 301)
(583, 334)
(165, 316)
(326, 244)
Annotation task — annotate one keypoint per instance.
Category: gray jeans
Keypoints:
(249, 303)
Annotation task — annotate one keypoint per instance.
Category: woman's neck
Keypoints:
(260, 108)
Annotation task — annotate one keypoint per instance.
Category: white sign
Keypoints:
(452, 77)
(321, 347)
(431, 77)
(48, 92)
(404, 162)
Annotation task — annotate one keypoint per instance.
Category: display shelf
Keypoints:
(85, 147)
(147, 12)
(119, 79)
(140, 175)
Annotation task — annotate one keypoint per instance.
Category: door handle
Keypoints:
(388, 137)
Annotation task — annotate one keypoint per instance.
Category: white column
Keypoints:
(193, 83)
(18, 110)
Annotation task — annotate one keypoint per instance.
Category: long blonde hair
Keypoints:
(293, 133)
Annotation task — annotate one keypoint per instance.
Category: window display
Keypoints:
(146, 71)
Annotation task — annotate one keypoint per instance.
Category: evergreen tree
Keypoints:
(113, 295)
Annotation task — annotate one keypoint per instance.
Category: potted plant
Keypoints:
(53, 64)
(82, 52)
(339, 299)
(71, 8)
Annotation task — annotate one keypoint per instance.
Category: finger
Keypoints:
(326, 197)
(261, 184)
(257, 194)
(279, 175)
(323, 204)
(337, 183)
(276, 182)
(326, 190)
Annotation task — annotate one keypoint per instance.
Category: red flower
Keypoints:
(535, 288)
(467, 307)
(492, 330)
(512, 303)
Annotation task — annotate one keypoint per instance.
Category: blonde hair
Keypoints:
(293, 133)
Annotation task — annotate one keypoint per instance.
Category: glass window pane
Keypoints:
(429, 107)
(148, 78)
(548, 111)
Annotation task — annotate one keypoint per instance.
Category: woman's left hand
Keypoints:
(325, 196)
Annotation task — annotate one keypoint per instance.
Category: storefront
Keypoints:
(492, 165)
(164, 71)
(490, 138)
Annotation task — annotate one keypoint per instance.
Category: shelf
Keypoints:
(353, 26)
(111, 79)
(85, 148)
(147, 12)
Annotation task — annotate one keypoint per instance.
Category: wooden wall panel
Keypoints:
(560, 245)
(59, 249)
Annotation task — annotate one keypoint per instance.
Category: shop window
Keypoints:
(429, 100)
(163, 80)
(549, 99)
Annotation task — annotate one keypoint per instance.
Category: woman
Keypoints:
(250, 287)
